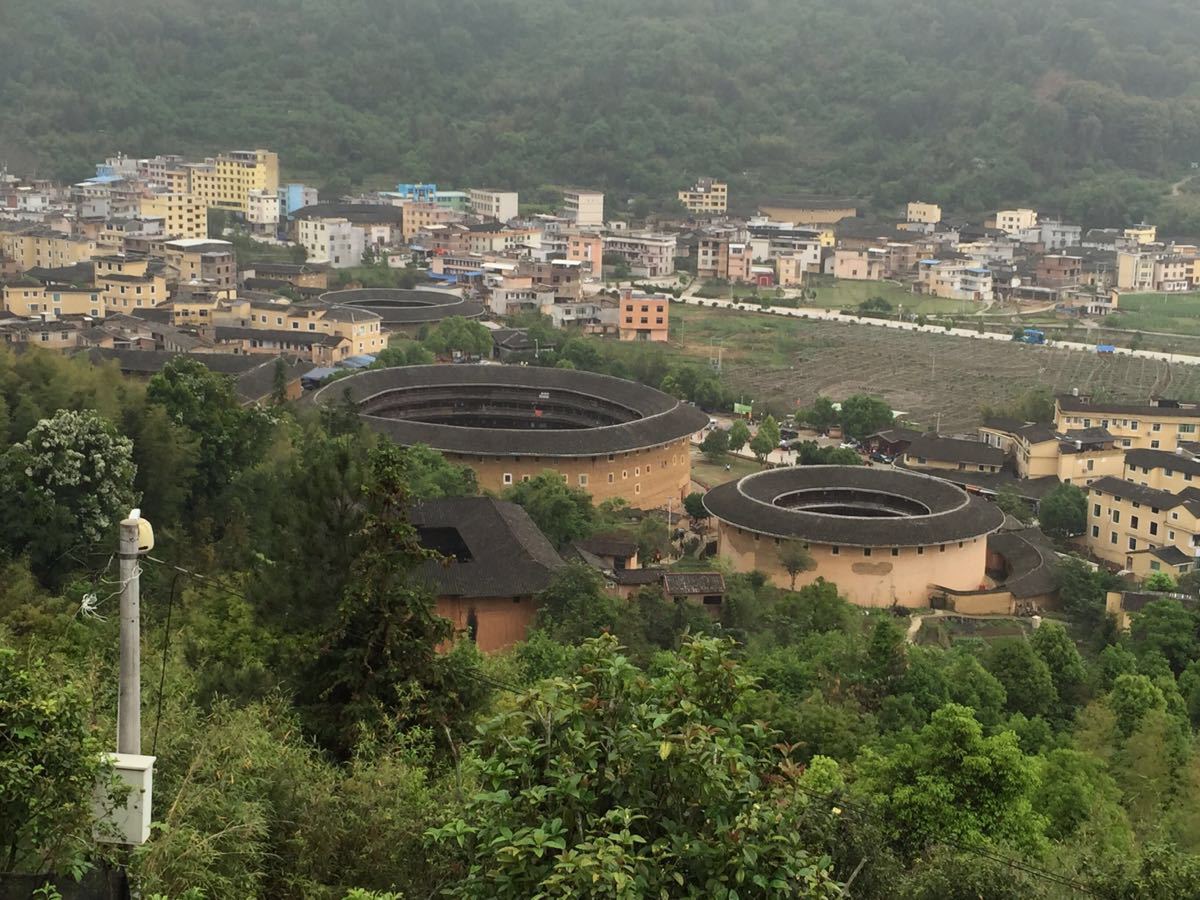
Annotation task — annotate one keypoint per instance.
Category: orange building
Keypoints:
(643, 317)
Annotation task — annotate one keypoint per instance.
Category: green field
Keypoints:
(709, 475)
(1176, 313)
(841, 294)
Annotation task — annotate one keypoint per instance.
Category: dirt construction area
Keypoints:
(785, 363)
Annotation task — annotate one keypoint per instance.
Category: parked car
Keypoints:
(882, 458)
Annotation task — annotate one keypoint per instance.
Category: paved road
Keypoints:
(833, 316)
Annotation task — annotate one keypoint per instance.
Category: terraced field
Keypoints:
(936, 379)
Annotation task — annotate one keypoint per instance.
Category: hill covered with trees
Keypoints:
(1090, 107)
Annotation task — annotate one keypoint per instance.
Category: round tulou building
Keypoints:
(403, 310)
(610, 437)
(885, 536)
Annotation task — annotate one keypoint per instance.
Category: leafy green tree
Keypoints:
(739, 435)
(653, 538)
(562, 512)
(1159, 581)
(378, 666)
(408, 353)
(575, 606)
(795, 560)
(766, 441)
(50, 763)
(693, 505)
(715, 445)
(1014, 505)
(1056, 649)
(1081, 589)
(1131, 697)
(1027, 679)
(1063, 511)
(642, 786)
(1166, 627)
(821, 416)
(862, 415)
(950, 782)
(431, 476)
(66, 486)
(279, 383)
(459, 335)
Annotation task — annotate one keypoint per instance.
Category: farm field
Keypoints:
(843, 294)
(784, 363)
(1176, 313)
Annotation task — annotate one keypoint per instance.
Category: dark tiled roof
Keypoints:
(657, 418)
(633, 577)
(1031, 562)
(1147, 496)
(295, 338)
(254, 374)
(1136, 601)
(1093, 435)
(609, 544)
(676, 584)
(1072, 404)
(943, 449)
(509, 556)
(361, 213)
(1162, 459)
(1171, 555)
(896, 435)
(398, 306)
(954, 516)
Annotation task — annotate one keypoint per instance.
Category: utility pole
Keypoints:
(129, 696)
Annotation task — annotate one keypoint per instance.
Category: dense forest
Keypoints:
(1086, 107)
(311, 741)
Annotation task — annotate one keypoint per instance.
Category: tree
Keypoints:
(562, 512)
(821, 416)
(795, 559)
(1026, 677)
(693, 505)
(459, 335)
(653, 538)
(950, 783)
(1056, 649)
(1063, 511)
(50, 763)
(863, 415)
(66, 486)
(1166, 627)
(658, 785)
(279, 384)
(715, 445)
(378, 667)
(739, 434)
(1081, 589)
(407, 353)
(1159, 581)
(431, 476)
(1014, 505)
(1131, 698)
(766, 441)
(575, 605)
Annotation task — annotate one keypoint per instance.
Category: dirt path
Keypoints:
(1177, 187)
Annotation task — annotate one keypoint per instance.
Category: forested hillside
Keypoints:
(1090, 106)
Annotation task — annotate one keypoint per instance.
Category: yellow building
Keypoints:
(932, 451)
(1078, 456)
(1143, 529)
(225, 182)
(1014, 221)
(42, 248)
(706, 197)
(129, 282)
(808, 211)
(884, 536)
(360, 328)
(184, 215)
(1142, 234)
(31, 300)
(1159, 425)
(923, 213)
(202, 260)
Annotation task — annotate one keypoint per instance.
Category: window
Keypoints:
(834, 551)
(1133, 522)
(920, 551)
(637, 472)
(583, 480)
(508, 478)
(1112, 537)
(611, 478)
(1157, 426)
(1095, 531)
(866, 551)
(1133, 543)
(1154, 567)
(941, 548)
(1187, 429)
(1116, 515)
(637, 489)
(895, 551)
(1154, 528)
(1096, 509)
(624, 474)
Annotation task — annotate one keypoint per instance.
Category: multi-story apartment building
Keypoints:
(707, 197)
(1052, 235)
(184, 215)
(129, 281)
(954, 279)
(1135, 270)
(42, 248)
(584, 247)
(718, 256)
(1014, 221)
(1078, 456)
(923, 213)
(262, 211)
(583, 207)
(1142, 234)
(790, 268)
(39, 300)
(325, 333)
(1143, 529)
(648, 254)
(495, 204)
(1058, 270)
(334, 241)
(643, 317)
(421, 216)
(863, 265)
(203, 260)
(1173, 273)
(1158, 425)
(225, 181)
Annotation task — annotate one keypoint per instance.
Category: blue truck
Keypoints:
(1030, 336)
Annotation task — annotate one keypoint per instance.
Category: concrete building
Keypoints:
(884, 536)
(1161, 424)
(954, 279)
(1143, 529)
(707, 197)
(34, 300)
(262, 211)
(1135, 270)
(807, 211)
(719, 256)
(129, 282)
(586, 248)
(1058, 270)
(862, 265)
(201, 260)
(184, 215)
(923, 213)
(293, 197)
(1078, 456)
(419, 217)
(225, 181)
(790, 269)
(1142, 234)
(583, 207)
(491, 203)
(648, 254)
(1172, 274)
(1014, 221)
(41, 248)
(644, 317)
(610, 437)
(333, 241)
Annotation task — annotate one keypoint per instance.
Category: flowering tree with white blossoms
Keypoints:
(66, 485)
